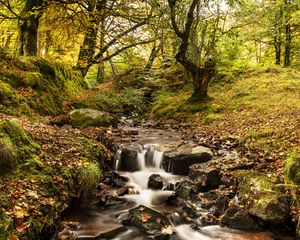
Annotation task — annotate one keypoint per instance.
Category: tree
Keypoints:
(28, 17)
(200, 75)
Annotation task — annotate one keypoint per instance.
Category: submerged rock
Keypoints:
(151, 221)
(155, 182)
(237, 218)
(86, 117)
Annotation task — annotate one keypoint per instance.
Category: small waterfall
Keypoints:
(148, 159)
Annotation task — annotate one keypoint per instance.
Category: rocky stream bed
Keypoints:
(165, 185)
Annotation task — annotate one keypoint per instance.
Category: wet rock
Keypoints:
(128, 160)
(155, 182)
(205, 175)
(113, 201)
(114, 179)
(191, 209)
(186, 189)
(86, 117)
(179, 164)
(169, 187)
(238, 218)
(150, 221)
(220, 206)
(263, 197)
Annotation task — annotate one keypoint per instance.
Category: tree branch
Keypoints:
(122, 50)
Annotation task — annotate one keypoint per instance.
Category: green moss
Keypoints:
(292, 168)
(7, 155)
(35, 85)
(24, 147)
(6, 92)
(33, 79)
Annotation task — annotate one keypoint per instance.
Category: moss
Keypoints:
(7, 155)
(23, 146)
(33, 80)
(292, 168)
(37, 86)
(6, 92)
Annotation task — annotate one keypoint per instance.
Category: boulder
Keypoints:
(186, 189)
(205, 175)
(128, 160)
(263, 197)
(155, 182)
(86, 117)
(179, 164)
(237, 218)
(150, 221)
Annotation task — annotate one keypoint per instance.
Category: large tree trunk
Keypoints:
(28, 28)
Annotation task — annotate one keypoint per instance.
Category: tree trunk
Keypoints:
(101, 66)
(153, 55)
(87, 49)
(278, 35)
(277, 44)
(200, 76)
(288, 43)
(28, 28)
(288, 37)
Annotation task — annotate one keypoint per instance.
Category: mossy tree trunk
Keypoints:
(28, 27)
(87, 50)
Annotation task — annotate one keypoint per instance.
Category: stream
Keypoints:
(106, 223)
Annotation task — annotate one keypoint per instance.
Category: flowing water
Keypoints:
(149, 161)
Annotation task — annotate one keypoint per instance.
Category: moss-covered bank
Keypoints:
(35, 85)
(40, 173)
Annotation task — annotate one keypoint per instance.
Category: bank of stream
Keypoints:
(149, 194)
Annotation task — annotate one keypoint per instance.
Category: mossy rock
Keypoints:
(7, 155)
(292, 168)
(6, 91)
(33, 79)
(264, 197)
(86, 117)
(148, 220)
(18, 140)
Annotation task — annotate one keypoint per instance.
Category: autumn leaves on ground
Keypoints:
(45, 162)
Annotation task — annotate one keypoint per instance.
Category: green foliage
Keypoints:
(89, 176)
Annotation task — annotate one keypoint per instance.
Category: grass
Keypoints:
(261, 108)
